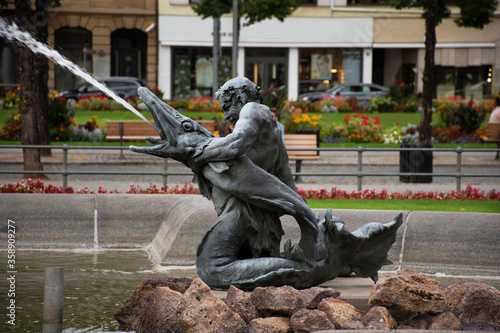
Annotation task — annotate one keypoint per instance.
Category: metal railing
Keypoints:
(359, 174)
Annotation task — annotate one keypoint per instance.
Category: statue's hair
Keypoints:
(252, 90)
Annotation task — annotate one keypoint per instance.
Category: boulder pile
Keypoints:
(407, 300)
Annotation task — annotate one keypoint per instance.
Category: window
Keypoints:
(8, 62)
(468, 82)
(74, 44)
(193, 71)
(321, 69)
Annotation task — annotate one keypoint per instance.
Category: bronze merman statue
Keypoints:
(248, 176)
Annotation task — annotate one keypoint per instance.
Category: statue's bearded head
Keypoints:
(234, 94)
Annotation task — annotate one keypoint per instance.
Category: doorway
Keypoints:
(128, 53)
(267, 67)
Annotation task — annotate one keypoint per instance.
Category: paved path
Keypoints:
(338, 162)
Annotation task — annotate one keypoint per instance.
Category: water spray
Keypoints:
(13, 33)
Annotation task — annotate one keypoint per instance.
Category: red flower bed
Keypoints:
(469, 193)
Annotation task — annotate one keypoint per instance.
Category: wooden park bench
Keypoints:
(305, 141)
(493, 135)
(138, 130)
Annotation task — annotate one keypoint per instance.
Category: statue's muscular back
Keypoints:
(267, 149)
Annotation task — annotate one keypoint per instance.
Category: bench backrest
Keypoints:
(493, 130)
(130, 128)
(306, 141)
(141, 128)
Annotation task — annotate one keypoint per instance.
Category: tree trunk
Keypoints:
(42, 76)
(27, 94)
(428, 79)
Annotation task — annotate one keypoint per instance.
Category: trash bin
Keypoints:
(415, 161)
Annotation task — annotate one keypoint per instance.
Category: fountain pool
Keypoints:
(95, 285)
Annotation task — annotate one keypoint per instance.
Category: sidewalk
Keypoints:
(331, 162)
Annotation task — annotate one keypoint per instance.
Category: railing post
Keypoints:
(459, 168)
(165, 172)
(360, 168)
(65, 166)
(121, 140)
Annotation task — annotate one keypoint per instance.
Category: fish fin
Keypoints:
(219, 167)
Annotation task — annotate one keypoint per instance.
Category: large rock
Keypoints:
(311, 297)
(240, 303)
(128, 314)
(378, 318)
(160, 311)
(277, 301)
(305, 320)
(408, 294)
(476, 305)
(205, 312)
(444, 321)
(270, 324)
(342, 314)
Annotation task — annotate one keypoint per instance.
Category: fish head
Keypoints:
(181, 138)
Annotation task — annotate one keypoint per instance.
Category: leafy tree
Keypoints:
(474, 14)
(254, 10)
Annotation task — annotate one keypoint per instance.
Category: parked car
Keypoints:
(360, 91)
(124, 87)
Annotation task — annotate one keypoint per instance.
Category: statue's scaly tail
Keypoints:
(363, 251)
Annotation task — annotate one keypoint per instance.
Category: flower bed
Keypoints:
(469, 193)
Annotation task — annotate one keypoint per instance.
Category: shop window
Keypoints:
(468, 82)
(76, 45)
(193, 71)
(321, 69)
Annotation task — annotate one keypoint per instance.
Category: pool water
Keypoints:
(96, 283)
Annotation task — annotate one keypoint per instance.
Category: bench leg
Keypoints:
(497, 157)
(298, 168)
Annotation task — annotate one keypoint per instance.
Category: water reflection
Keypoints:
(95, 286)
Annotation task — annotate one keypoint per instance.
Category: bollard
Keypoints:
(53, 300)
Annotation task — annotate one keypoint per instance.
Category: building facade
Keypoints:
(324, 43)
(106, 37)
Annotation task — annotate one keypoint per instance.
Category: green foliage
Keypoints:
(475, 14)
(467, 117)
(274, 98)
(60, 118)
(254, 10)
(382, 104)
(12, 129)
(441, 13)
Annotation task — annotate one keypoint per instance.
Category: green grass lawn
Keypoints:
(413, 205)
